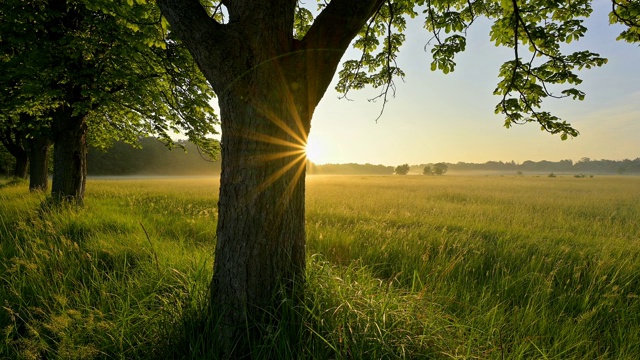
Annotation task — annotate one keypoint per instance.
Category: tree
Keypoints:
(101, 69)
(6, 162)
(270, 63)
(402, 169)
(13, 139)
(427, 170)
(440, 169)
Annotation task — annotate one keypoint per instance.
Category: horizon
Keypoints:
(478, 163)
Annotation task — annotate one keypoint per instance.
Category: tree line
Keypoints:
(584, 165)
(153, 157)
(150, 156)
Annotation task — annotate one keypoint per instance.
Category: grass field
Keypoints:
(416, 267)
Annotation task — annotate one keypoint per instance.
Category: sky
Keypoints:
(450, 118)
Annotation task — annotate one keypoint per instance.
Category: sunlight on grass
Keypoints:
(429, 267)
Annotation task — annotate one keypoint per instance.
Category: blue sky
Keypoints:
(436, 117)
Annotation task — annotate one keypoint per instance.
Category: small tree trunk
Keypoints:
(69, 156)
(39, 157)
(22, 164)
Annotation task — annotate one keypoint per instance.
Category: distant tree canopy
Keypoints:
(584, 165)
(427, 170)
(440, 169)
(153, 157)
(402, 169)
(348, 169)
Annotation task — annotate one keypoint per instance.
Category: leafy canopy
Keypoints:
(535, 30)
(111, 61)
(402, 169)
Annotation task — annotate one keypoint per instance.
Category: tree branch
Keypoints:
(330, 35)
(208, 41)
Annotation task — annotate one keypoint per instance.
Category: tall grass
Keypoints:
(530, 267)
(89, 283)
(399, 267)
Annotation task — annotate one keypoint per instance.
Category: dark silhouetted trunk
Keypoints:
(69, 132)
(13, 138)
(39, 160)
(22, 164)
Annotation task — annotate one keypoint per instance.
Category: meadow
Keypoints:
(399, 267)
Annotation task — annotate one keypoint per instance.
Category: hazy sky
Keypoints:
(436, 117)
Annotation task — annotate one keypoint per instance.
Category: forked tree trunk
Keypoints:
(69, 156)
(268, 85)
(39, 158)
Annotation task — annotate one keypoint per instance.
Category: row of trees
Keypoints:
(435, 169)
(602, 166)
(79, 72)
(153, 157)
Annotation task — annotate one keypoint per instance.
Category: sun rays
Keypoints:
(290, 144)
(281, 145)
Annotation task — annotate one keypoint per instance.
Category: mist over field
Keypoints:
(154, 158)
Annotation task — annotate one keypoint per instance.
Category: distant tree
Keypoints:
(153, 158)
(402, 169)
(427, 170)
(440, 169)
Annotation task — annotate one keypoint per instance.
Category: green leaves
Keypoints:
(111, 61)
(444, 53)
(302, 22)
(627, 12)
(378, 67)
(535, 30)
(524, 85)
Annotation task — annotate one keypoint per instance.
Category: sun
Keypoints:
(314, 151)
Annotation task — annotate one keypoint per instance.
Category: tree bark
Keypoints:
(260, 249)
(39, 158)
(69, 132)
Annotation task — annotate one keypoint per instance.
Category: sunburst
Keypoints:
(295, 150)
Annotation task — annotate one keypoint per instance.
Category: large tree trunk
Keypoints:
(268, 85)
(260, 250)
(22, 164)
(69, 156)
(39, 158)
